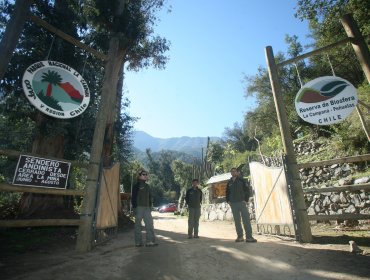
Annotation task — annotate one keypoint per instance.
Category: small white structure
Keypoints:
(216, 188)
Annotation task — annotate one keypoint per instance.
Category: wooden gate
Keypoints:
(106, 218)
(272, 197)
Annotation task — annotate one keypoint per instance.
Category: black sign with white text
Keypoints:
(41, 172)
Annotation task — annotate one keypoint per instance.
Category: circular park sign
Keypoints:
(326, 100)
(56, 89)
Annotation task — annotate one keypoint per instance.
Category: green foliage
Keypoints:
(183, 174)
(272, 146)
(161, 166)
(9, 204)
(133, 22)
(215, 152)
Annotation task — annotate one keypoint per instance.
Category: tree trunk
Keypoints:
(111, 118)
(12, 32)
(40, 205)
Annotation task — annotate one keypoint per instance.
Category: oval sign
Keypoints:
(56, 89)
(326, 100)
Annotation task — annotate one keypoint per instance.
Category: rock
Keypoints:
(229, 215)
(343, 198)
(362, 180)
(356, 200)
(353, 248)
(212, 215)
(335, 198)
(351, 209)
(337, 172)
(205, 215)
(326, 202)
(311, 211)
(220, 215)
(334, 207)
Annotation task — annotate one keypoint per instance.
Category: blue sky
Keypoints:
(214, 43)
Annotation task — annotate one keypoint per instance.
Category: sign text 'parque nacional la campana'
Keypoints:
(41, 172)
(326, 100)
(56, 89)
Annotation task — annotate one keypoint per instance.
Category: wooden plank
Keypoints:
(317, 51)
(14, 188)
(67, 37)
(357, 187)
(38, 223)
(339, 217)
(16, 154)
(358, 158)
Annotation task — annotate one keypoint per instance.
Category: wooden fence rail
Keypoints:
(39, 223)
(357, 187)
(14, 188)
(365, 157)
(339, 217)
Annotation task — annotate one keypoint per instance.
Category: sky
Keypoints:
(214, 44)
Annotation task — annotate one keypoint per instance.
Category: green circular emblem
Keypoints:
(56, 89)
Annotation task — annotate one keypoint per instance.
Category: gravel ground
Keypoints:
(214, 255)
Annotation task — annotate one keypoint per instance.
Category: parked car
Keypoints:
(171, 207)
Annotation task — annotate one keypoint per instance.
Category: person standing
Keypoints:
(141, 203)
(193, 199)
(237, 195)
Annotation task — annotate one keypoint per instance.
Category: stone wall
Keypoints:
(222, 211)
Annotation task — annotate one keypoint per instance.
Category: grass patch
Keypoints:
(329, 234)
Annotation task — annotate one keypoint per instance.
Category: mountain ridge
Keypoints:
(186, 144)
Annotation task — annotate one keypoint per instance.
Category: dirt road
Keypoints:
(214, 256)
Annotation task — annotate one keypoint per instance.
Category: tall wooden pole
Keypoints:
(108, 97)
(303, 226)
(358, 43)
(363, 55)
(109, 90)
(12, 32)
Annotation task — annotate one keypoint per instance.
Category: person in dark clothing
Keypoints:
(141, 203)
(193, 199)
(237, 195)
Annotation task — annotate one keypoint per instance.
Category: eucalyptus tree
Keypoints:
(126, 30)
(215, 155)
(160, 164)
(183, 176)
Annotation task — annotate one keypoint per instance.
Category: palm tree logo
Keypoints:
(52, 78)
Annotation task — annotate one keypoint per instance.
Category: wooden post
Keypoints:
(109, 90)
(12, 33)
(362, 52)
(358, 43)
(303, 226)
(363, 122)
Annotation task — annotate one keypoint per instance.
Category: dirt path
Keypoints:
(214, 256)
